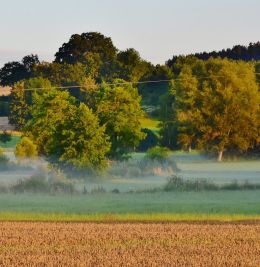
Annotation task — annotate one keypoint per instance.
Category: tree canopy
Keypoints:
(67, 134)
(120, 112)
(13, 72)
(79, 45)
(217, 109)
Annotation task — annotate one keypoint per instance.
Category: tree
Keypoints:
(65, 75)
(220, 112)
(150, 91)
(67, 134)
(75, 50)
(89, 93)
(18, 107)
(185, 113)
(230, 109)
(13, 72)
(61, 74)
(25, 149)
(238, 52)
(120, 112)
(131, 66)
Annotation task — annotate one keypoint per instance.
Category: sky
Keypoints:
(158, 29)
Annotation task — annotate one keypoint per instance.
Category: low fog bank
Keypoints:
(121, 176)
(134, 175)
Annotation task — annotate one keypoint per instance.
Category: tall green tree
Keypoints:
(120, 112)
(13, 72)
(186, 116)
(151, 92)
(79, 44)
(19, 110)
(131, 66)
(67, 134)
(218, 111)
(229, 107)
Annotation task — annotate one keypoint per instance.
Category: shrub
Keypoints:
(35, 184)
(115, 191)
(158, 153)
(26, 149)
(3, 159)
(98, 190)
(177, 183)
(60, 184)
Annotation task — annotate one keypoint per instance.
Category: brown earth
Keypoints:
(90, 244)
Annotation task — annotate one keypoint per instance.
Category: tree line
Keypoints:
(209, 103)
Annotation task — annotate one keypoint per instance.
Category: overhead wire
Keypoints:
(128, 82)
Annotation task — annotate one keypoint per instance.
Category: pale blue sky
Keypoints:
(157, 29)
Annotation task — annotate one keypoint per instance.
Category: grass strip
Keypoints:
(130, 217)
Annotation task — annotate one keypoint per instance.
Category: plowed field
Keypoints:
(90, 244)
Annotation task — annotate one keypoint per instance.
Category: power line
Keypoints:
(130, 82)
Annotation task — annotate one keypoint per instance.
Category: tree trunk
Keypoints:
(189, 149)
(220, 155)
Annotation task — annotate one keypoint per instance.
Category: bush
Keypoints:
(3, 159)
(26, 149)
(60, 184)
(35, 184)
(158, 153)
(98, 190)
(176, 183)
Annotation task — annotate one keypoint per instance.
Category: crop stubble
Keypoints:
(125, 244)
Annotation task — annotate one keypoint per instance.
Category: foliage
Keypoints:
(219, 112)
(151, 92)
(92, 49)
(89, 93)
(120, 112)
(25, 149)
(61, 74)
(69, 135)
(21, 99)
(14, 72)
(18, 107)
(35, 184)
(238, 52)
(131, 66)
(158, 153)
(3, 159)
(78, 45)
(177, 183)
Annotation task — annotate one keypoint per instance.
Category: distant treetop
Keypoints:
(80, 45)
(238, 52)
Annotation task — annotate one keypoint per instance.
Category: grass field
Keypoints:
(15, 139)
(185, 206)
(157, 206)
(151, 124)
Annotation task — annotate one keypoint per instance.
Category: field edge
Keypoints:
(130, 217)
